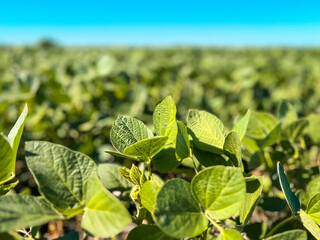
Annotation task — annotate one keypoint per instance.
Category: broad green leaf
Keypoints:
(11, 236)
(253, 191)
(207, 131)
(290, 235)
(60, 174)
(121, 155)
(111, 177)
(165, 161)
(182, 143)
(164, 119)
(148, 232)
(313, 128)
(22, 211)
(148, 194)
(126, 131)
(309, 224)
(72, 235)
(230, 234)
(220, 190)
(208, 159)
(241, 126)
(16, 132)
(260, 125)
(147, 148)
(177, 212)
(104, 215)
(313, 208)
(7, 187)
(273, 137)
(232, 148)
(294, 130)
(313, 188)
(7, 161)
(291, 198)
(286, 113)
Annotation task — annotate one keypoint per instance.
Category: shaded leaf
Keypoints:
(165, 161)
(232, 148)
(182, 143)
(290, 235)
(209, 159)
(273, 137)
(111, 177)
(148, 232)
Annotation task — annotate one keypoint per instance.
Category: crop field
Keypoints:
(143, 144)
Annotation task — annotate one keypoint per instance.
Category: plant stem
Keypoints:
(273, 230)
(214, 223)
(149, 169)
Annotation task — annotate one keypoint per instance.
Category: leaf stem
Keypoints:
(273, 230)
(214, 223)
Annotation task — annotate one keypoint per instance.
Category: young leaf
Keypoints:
(207, 131)
(242, 124)
(309, 224)
(7, 187)
(313, 208)
(148, 232)
(111, 177)
(182, 143)
(126, 131)
(290, 235)
(291, 198)
(177, 213)
(232, 148)
(22, 211)
(254, 189)
(164, 119)
(260, 125)
(165, 161)
(220, 190)
(60, 174)
(147, 148)
(148, 194)
(135, 175)
(230, 234)
(104, 215)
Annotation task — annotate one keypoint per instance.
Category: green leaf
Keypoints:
(111, 177)
(313, 128)
(60, 174)
(148, 194)
(21, 211)
(286, 113)
(313, 187)
(16, 132)
(313, 208)
(135, 175)
(165, 161)
(121, 155)
(72, 235)
(126, 131)
(232, 148)
(290, 235)
(182, 143)
(148, 232)
(11, 236)
(260, 125)
(147, 148)
(104, 215)
(254, 189)
(164, 119)
(242, 124)
(309, 224)
(291, 198)
(7, 162)
(220, 190)
(230, 234)
(209, 159)
(177, 212)
(207, 131)
(7, 187)
(273, 137)
(294, 130)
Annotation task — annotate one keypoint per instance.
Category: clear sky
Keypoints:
(162, 23)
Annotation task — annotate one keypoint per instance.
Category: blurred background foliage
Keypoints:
(75, 94)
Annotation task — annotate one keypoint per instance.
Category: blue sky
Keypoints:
(162, 23)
